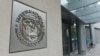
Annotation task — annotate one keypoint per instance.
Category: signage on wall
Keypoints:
(28, 28)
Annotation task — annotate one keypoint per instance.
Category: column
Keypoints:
(81, 38)
(92, 33)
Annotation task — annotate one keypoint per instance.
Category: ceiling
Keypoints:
(68, 17)
(86, 10)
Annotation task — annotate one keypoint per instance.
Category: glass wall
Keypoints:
(65, 35)
(69, 39)
(74, 37)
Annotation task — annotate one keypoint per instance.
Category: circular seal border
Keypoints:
(19, 35)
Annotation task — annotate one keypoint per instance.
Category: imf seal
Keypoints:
(29, 28)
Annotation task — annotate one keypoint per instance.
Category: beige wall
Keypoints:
(54, 36)
(97, 35)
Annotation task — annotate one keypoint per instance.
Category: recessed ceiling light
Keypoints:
(98, 3)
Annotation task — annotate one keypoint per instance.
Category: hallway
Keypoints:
(94, 51)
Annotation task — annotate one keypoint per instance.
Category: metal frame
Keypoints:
(11, 26)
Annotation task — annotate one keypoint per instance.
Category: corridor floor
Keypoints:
(93, 52)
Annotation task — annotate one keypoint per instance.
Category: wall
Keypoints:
(54, 34)
(97, 32)
(97, 35)
(93, 33)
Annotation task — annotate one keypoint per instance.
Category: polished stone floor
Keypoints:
(93, 52)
